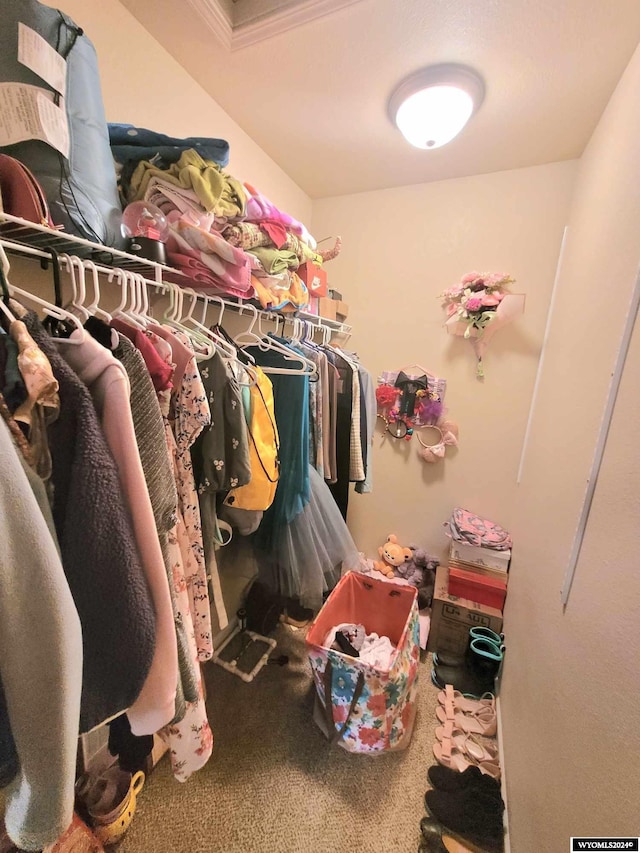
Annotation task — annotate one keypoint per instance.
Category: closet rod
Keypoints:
(32, 251)
(23, 232)
(65, 245)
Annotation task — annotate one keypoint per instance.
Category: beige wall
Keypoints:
(144, 85)
(570, 690)
(402, 247)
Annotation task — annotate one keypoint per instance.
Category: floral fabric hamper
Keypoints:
(363, 708)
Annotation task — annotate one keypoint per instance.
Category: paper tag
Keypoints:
(28, 112)
(38, 55)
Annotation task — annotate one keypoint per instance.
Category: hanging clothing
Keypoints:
(161, 485)
(99, 552)
(40, 664)
(190, 414)
(310, 552)
(42, 404)
(108, 383)
(221, 453)
(159, 370)
(344, 408)
(259, 492)
(368, 387)
(291, 406)
(221, 462)
(190, 740)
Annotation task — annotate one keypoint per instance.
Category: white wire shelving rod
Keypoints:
(320, 323)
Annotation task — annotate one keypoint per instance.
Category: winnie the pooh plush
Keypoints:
(392, 554)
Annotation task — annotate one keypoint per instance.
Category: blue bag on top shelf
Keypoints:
(131, 144)
(49, 78)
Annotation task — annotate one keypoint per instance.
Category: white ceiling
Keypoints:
(315, 97)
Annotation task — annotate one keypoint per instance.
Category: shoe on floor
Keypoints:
(471, 814)
(445, 779)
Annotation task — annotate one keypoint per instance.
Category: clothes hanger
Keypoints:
(308, 367)
(4, 302)
(54, 311)
(93, 307)
(223, 346)
(138, 310)
(125, 285)
(173, 318)
(419, 366)
(226, 346)
(266, 342)
(78, 289)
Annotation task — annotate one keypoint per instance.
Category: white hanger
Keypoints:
(173, 318)
(265, 343)
(93, 308)
(78, 289)
(129, 298)
(52, 310)
(222, 345)
(4, 263)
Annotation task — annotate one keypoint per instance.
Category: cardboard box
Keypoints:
(452, 617)
(314, 277)
(312, 307)
(485, 571)
(327, 308)
(334, 294)
(480, 556)
(477, 587)
(342, 310)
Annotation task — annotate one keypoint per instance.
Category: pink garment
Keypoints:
(108, 384)
(259, 207)
(231, 277)
(194, 270)
(275, 231)
(160, 372)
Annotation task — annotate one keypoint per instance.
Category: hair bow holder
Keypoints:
(447, 436)
(411, 402)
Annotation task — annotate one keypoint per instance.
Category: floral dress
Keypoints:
(191, 414)
(190, 741)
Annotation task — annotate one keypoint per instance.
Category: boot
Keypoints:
(472, 815)
(476, 675)
(445, 779)
(453, 659)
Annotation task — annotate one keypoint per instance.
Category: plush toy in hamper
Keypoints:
(366, 707)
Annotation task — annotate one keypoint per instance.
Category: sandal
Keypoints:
(483, 722)
(459, 701)
(468, 744)
(458, 752)
(474, 716)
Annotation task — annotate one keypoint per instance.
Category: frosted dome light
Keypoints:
(432, 106)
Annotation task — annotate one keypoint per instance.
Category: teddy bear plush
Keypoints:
(392, 555)
(420, 571)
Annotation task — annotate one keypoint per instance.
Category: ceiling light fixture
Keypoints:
(432, 106)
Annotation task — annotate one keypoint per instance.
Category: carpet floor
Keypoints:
(273, 784)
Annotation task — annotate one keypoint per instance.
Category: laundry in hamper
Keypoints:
(362, 707)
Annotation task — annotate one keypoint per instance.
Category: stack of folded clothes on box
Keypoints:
(225, 236)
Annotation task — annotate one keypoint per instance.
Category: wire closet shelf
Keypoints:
(30, 239)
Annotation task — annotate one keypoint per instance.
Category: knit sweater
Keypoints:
(158, 473)
(99, 553)
(40, 664)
